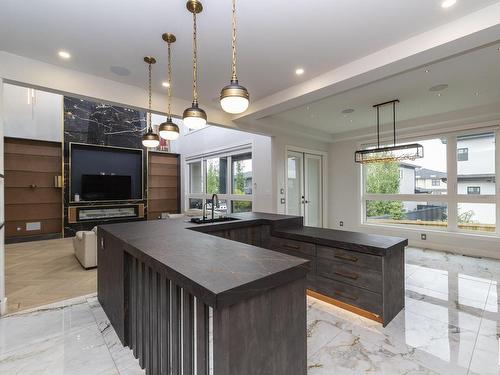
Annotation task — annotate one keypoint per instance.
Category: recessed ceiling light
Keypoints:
(64, 55)
(441, 87)
(165, 84)
(448, 3)
(427, 70)
(299, 71)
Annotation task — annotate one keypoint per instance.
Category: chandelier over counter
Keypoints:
(391, 153)
(194, 117)
(168, 130)
(150, 139)
(234, 98)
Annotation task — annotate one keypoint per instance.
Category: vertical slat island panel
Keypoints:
(165, 301)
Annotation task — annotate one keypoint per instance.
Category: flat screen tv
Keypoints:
(97, 187)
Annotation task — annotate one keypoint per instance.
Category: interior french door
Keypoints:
(304, 185)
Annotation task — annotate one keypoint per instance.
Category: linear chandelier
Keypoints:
(168, 130)
(411, 151)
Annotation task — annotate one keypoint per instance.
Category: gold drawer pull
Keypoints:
(346, 257)
(353, 298)
(352, 276)
(294, 247)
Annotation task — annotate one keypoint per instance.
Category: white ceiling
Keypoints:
(473, 81)
(275, 37)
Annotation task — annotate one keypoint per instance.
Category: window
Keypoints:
(473, 189)
(228, 175)
(463, 154)
(242, 174)
(425, 200)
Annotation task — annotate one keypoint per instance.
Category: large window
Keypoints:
(228, 175)
(455, 195)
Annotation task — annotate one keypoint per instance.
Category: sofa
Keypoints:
(85, 245)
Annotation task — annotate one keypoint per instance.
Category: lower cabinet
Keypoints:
(372, 283)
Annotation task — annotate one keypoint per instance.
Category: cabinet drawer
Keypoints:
(362, 298)
(286, 246)
(350, 274)
(372, 262)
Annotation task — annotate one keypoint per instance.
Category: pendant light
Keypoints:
(150, 139)
(194, 117)
(168, 130)
(234, 98)
(392, 153)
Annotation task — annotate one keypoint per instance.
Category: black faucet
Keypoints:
(215, 199)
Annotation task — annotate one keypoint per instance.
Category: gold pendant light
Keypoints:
(168, 130)
(194, 117)
(234, 98)
(150, 139)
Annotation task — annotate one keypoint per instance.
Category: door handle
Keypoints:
(352, 276)
(345, 295)
(346, 257)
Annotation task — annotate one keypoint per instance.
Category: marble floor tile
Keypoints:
(450, 325)
(79, 351)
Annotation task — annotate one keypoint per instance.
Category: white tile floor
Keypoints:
(451, 325)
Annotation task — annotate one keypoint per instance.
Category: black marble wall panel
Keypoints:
(101, 124)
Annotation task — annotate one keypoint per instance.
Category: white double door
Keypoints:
(304, 187)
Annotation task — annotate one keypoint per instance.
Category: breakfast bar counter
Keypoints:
(231, 295)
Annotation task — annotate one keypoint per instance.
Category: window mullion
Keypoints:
(452, 183)
(497, 174)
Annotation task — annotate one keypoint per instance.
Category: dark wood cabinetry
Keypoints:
(367, 284)
(33, 200)
(372, 284)
(163, 184)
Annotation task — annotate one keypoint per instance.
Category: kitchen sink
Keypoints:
(199, 220)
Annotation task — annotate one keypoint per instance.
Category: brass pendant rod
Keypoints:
(233, 43)
(195, 61)
(169, 88)
(150, 127)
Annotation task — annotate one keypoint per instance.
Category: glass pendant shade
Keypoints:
(194, 117)
(150, 139)
(390, 154)
(168, 130)
(234, 98)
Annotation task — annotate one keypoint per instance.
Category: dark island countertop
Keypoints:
(221, 271)
(356, 241)
(217, 270)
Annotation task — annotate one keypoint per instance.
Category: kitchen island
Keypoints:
(188, 297)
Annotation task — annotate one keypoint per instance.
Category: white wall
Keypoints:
(40, 75)
(32, 114)
(213, 138)
(345, 205)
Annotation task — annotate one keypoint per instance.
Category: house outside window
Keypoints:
(229, 175)
(471, 205)
(462, 154)
(473, 190)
